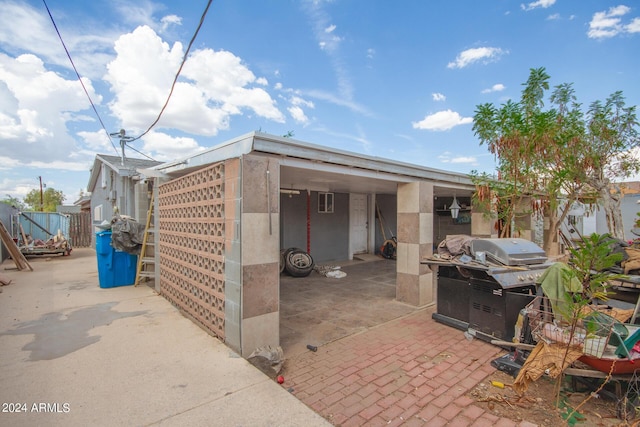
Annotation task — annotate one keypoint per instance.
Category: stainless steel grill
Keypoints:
(491, 288)
(509, 251)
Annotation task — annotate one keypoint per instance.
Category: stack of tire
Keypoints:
(296, 262)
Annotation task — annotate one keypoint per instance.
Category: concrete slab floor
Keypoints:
(317, 310)
(74, 354)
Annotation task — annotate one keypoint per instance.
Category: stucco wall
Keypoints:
(387, 204)
(329, 231)
(101, 204)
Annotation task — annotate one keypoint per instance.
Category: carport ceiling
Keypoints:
(356, 182)
(321, 180)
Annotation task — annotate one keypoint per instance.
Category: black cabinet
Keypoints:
(493, 311)
(453, 294)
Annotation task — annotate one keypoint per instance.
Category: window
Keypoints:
(97, 213)
(325, 202)
(103, 176)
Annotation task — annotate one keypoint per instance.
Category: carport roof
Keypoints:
(306, 156)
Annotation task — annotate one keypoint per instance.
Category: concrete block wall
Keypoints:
(232, 254)
(482, 225)
(260, 257)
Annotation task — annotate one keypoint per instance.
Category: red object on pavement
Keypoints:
(280, 379)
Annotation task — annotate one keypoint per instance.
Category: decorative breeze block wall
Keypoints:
(191, 236)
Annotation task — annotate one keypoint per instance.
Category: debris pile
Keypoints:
(56, 244)
(268, 359)
(332, 271)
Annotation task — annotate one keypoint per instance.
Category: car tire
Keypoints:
(298, 263)
(284, 253)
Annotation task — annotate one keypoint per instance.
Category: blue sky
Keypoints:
(393, 79)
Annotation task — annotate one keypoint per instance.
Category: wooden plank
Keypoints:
(25, 242)
(513, 344)
(145, 261)
(17, 256)
(592, 373)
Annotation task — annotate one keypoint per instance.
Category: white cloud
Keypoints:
(498, 87)
(330, 43)
(170, 20)
(298, 114)
(296, 100)
(214, 85)
(438, 97)
(164, 147)
(90, 51)
(447, 157)
(296, 111)
(371, 53)
(35, 108)
(536, 4)
(553, 17)
(143, 12)
(467, 159)
(609, 23)
(97, 141)
(634, 26)
(338, 100)
(441, 121)
(470, 56)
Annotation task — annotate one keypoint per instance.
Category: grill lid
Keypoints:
(509, 251)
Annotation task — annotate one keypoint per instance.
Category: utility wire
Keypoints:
(175, 80)
(79, 78)
(139, 152)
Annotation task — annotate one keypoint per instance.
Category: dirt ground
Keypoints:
(537, 404)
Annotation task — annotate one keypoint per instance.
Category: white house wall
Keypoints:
(629, 208)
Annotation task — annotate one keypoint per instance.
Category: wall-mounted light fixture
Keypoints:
(455, 208)
(289, 192)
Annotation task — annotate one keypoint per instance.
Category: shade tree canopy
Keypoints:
(556, 155)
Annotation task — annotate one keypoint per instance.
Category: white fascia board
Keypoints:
(151, 173)
(288, 147)
(227, 150)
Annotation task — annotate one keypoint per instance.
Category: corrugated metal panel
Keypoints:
(49, 221)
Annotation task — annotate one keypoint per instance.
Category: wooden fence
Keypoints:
(80, 229)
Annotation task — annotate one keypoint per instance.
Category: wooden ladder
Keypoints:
(146, 262)
(17, 256)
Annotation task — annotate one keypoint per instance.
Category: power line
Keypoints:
(140, 152)
(95, 110)
(175, 80)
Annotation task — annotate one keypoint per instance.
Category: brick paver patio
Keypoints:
(410, 371)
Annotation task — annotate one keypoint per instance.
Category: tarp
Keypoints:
(551, 359)
(455, 244)
(127, 235)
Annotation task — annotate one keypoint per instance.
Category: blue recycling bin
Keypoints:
(115, 268)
